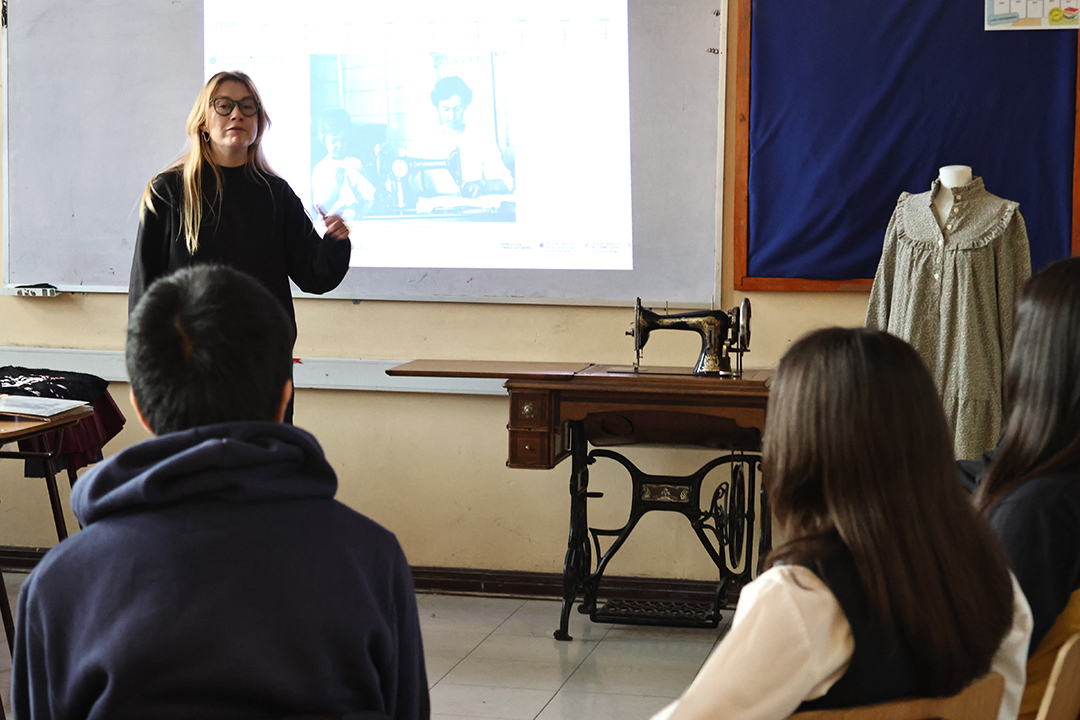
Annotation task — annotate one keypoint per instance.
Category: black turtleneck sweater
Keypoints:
(261, 228)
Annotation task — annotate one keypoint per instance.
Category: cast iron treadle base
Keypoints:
(657, 612)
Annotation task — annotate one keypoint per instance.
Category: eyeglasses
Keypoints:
(224, 106)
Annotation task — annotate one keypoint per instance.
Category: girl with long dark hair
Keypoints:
(888, 584)
(1032, 491)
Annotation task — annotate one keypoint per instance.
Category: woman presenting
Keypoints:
(221, 203)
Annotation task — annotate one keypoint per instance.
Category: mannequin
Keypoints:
(952, 262)
(949, 177)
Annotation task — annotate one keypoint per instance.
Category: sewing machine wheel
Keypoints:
(744, 324)
(637, 327)
(736, 515)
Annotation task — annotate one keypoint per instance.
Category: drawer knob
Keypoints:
(528, 410)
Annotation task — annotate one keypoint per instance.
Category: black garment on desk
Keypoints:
(882, 667)
(60, 384)
(42, 382)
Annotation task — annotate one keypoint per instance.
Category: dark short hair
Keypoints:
(334, 121)
(207, 344)
(449, 87)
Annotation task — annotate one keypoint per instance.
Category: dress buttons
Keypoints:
(949, 227)
(937, 276)
(956, 197)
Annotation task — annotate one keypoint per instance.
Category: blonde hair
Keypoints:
(199, 155)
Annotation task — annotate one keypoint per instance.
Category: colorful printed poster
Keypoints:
(1032, 14)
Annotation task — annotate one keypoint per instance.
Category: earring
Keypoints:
(205, 136)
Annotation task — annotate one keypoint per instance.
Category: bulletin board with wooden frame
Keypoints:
(854, 103)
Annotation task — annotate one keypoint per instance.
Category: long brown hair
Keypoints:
(199, 155)
(857, 454)
(1042, 386)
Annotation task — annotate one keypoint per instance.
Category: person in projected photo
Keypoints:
(222, 203)
(483, 171)
(338, 185)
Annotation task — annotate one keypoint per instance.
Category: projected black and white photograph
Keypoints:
(472, 134)
(416, 136)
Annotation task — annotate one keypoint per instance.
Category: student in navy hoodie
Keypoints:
(216, 576)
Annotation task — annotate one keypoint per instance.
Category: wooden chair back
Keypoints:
(978, 701)
(1061, 701)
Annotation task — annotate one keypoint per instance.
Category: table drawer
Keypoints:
(533, 410)
(530, 449)
(538, 449)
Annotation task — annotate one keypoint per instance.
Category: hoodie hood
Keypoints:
(230, 462)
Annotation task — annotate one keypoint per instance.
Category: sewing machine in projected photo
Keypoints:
(405, 190)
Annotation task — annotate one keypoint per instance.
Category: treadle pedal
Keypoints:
(657, 612)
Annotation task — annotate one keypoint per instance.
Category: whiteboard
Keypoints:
(95, 99)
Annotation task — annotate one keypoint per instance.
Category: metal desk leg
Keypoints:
(9, 621)
(50, 482)
(578, 562)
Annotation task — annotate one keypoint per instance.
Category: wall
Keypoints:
(432, 467)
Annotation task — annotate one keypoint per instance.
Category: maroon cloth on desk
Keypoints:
(82, 442)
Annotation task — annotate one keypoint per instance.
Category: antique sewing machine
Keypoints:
(400, 177)
(722, 333)
(721, 507)
(588, 411)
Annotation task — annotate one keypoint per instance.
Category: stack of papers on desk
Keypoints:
(36, 407)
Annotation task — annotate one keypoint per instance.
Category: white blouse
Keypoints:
(789, 641)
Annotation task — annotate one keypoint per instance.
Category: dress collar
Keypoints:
(961, 193)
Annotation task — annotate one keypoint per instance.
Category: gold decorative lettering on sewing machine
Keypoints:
(651, 492)
(722, 335)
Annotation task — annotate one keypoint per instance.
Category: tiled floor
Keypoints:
(495, 658)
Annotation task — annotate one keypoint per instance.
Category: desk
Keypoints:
(558, 409)
(15, 429)
(12, 430)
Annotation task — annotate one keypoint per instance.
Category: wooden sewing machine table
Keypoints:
(558, 409)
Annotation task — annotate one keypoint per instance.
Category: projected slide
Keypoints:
(473, 134)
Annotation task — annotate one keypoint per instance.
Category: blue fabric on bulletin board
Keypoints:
(852, 103)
